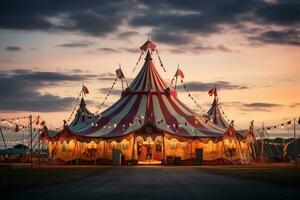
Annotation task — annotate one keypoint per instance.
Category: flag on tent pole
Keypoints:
(85, 90)
(179, 73)
(120, 74)
(213, 92)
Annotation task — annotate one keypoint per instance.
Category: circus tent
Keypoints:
(82, 115)
(148, 122)
(215, 114)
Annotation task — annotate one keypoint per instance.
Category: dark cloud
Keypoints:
(294, 105)
(76, 44)
(282, 12)
(47, 77)
(171, 37)
(20, 91)
(106, 77)
(251, 107)
(113, 92)
(181, 22)
(223, 48)
(127, 34)
(262, 105)
(108, 50)
(169, 21)
(13, 48)
(199, 48)
(258, 106)
(204, 87)
(285, 37)
(92, 17)
(130, 50)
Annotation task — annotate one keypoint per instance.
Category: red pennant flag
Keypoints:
(120, 74)
(179, 73)
(213, 92)
(85, 90)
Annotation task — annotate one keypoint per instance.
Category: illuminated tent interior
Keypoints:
(148, 124)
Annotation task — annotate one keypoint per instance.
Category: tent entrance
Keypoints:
(149, 152)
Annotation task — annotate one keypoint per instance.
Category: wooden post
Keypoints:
(262, 143)
(164, 151)
(295, 144)
(133, 149)
(31, 150)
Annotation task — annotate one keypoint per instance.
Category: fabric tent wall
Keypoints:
(231, 150)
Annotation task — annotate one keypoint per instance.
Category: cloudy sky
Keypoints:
(248, 49)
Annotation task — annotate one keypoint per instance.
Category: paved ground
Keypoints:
(158, 183)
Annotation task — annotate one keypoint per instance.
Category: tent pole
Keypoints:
(133, 150)
(96, 154)
(224, 149)
(164, 151)
(241, 150)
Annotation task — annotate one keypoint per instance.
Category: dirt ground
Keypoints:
(159, 182)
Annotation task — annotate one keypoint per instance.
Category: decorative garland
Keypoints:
(17, 125)
(191, 97)
(108, 94)
(136, 64)
(75, 108)
(160, 61)
(274, 127)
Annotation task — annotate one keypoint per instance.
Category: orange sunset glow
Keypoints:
(253, 62)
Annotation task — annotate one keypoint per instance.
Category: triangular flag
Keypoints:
(179, 73)
(85, 90)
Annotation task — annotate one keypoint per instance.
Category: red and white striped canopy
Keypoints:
(148, 101)
(215, 114)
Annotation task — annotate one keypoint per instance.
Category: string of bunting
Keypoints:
(108, 94)
(75, 107)
(225, 116)
(18, 126)
(281, 125)
(160, 61)
(136, 64)
(191, 97)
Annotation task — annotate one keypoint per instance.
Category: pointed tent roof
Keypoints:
(148, 102)
(216, 115)
(148, 79)
(82, 114)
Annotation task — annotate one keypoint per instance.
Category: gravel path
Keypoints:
(159, 183)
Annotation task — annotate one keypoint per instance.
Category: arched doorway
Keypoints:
(149, 151)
